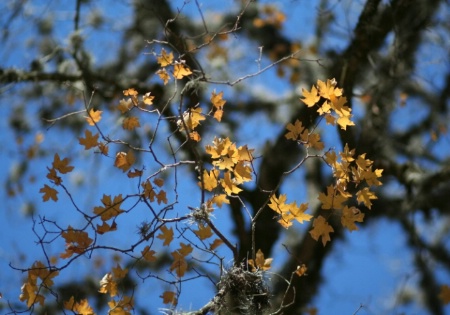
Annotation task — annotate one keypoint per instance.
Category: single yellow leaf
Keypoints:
(180, 70)
(164, 58)
(350, 216)
(163, 75)
(321, 228)
(94, 117)
(148, 255)
(310, 98)
(124, 161)
(169, 297)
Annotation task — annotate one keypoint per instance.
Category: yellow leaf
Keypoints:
(350, 216)
(180, 70)
(94, 117)
(260, 262)
(364, 196)
(295, 131)
(130, 92)
(210, 180)
(229, 185)
(328, 90)
(321, 228)
(49, 193)
(191, 119)
(165, 59)
(299, 212)
(161, 197)
(82, 307)
(310, 98)
(163, 75)
(333, 199)
(131, 123)
(105, 227)
(216, 99)
(148, 99)
(90, 141)
(220, 199)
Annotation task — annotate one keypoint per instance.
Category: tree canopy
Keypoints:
(195, 157)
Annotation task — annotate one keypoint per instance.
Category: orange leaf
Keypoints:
(203, 232)
(169, 297)
(210, 180)
(148, 254)
(94, 117)
(130, 92)
(219, 200)
(217, 242)
(61, 166)
(166, 235)
(148, 99)
(49, 193)
(124, 160)
(90, 141)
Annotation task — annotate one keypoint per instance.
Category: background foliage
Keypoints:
(244, 64)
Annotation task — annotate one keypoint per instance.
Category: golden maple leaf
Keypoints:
(93, 117)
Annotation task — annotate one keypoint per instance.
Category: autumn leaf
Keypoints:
(203, 232)
(89, 141)
(321, 228)
(219, 200)
(82, 307)
(191, 119)
(298, 212)
(333, 199)
(118, 272)
(229, 185)
(131, 123)
(108, 285)
(295, 130)
(180, 70)
(130, 92)
(310, 98)
(164, 58)
(94, 117)
(148, 98)
(210, 180)
(124, 161)
(328, 89)
(260, 263)
(111, 208)
(350, 216)
(134, 173)
(161, 197)
(148, 255)
(76, 242)
(364, 196)
(61, 166)
(49, 193)
(218, 102)
(169, 297)
(217, 242)
(444, 295)
(166, 235)
(301, 270)
(163, 75)
(125, 105)
(105, 227)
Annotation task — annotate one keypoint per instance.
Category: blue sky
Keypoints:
(367, 269)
